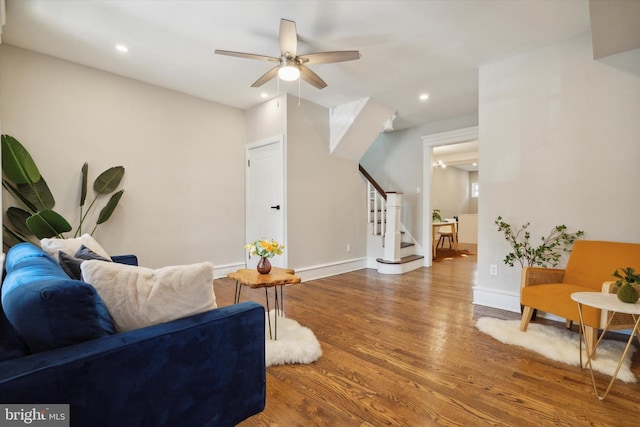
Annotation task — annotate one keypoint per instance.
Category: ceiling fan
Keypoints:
(291, 66)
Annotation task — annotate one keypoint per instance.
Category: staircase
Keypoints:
(398, 256)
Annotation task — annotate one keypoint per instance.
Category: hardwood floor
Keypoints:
(403, 350)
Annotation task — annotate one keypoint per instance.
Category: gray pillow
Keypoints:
(71, 264)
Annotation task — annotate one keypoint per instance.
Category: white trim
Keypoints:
(220, 271)
(428, 142)
(331, 269)
(3, 17)
(496, 299)
(451, 137)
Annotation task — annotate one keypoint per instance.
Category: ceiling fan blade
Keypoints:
(266, 77)
(327, 57)
(288, 38)
(247, 55)
(312, 78)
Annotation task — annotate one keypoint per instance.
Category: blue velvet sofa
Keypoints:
(58, 346)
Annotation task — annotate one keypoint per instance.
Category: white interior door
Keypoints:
(265, 196)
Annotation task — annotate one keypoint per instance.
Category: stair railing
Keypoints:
(376, 204)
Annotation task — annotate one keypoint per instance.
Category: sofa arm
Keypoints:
(207, 369)
(532, 276)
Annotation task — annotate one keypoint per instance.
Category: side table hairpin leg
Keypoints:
(634, 331)
(278, 310)
(236, 296)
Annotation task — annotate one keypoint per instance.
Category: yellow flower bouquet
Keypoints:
(265, 248)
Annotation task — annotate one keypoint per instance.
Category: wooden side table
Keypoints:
(277, 278)
(611, 303)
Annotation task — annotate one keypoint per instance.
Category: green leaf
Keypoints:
(17, 164)
(106, 212)
(10, 237)
(15, 193)
(108, 180)
(38, 194)
(83, 189)
(48, 224)
(18, 219)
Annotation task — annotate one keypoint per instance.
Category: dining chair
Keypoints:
(445, 233)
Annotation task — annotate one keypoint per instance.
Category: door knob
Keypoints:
(277, 207)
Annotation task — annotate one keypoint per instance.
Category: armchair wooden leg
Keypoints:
(569, 324)
(527, 312)
(591, 337)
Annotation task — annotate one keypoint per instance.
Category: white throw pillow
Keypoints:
(71, 246)
(137, 296)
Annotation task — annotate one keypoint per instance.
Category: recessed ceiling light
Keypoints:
(424, 97)
(122, 48)
(264, 95)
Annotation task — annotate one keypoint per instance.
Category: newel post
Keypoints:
(392, 237)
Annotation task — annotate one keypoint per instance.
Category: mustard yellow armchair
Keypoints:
(589, 269)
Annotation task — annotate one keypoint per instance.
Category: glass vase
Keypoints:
(264, 266)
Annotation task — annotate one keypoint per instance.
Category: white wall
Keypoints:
(559, 144)
(184, 157)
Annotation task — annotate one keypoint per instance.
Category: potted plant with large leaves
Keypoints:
(23, 180)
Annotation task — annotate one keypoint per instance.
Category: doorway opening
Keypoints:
(449, 175)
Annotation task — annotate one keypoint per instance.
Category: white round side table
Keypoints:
(609, 302)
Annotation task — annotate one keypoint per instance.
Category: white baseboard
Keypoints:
(496, 299)
(220, 271)
(306, 273)
(331, 269)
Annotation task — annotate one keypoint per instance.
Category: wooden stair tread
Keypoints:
(403, 260)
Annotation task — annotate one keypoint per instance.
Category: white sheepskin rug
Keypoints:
(295, 343)
(560, 345)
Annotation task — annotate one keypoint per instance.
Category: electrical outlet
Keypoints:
(348, 247)
(493, 270)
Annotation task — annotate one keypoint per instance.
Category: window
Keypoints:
(474, 190)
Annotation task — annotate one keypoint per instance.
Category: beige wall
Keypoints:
(450, 191)
(267, 120)
(326, 194)
(559, 144)
(184, 157)
(472, 207)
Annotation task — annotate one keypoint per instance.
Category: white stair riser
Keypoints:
(399, 268)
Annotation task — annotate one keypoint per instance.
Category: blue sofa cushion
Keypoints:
(11, 345)
(47, 308)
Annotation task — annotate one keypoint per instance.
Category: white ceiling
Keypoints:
(407, 47)
(463, 155)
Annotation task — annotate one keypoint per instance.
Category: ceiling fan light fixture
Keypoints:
(289, 72)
